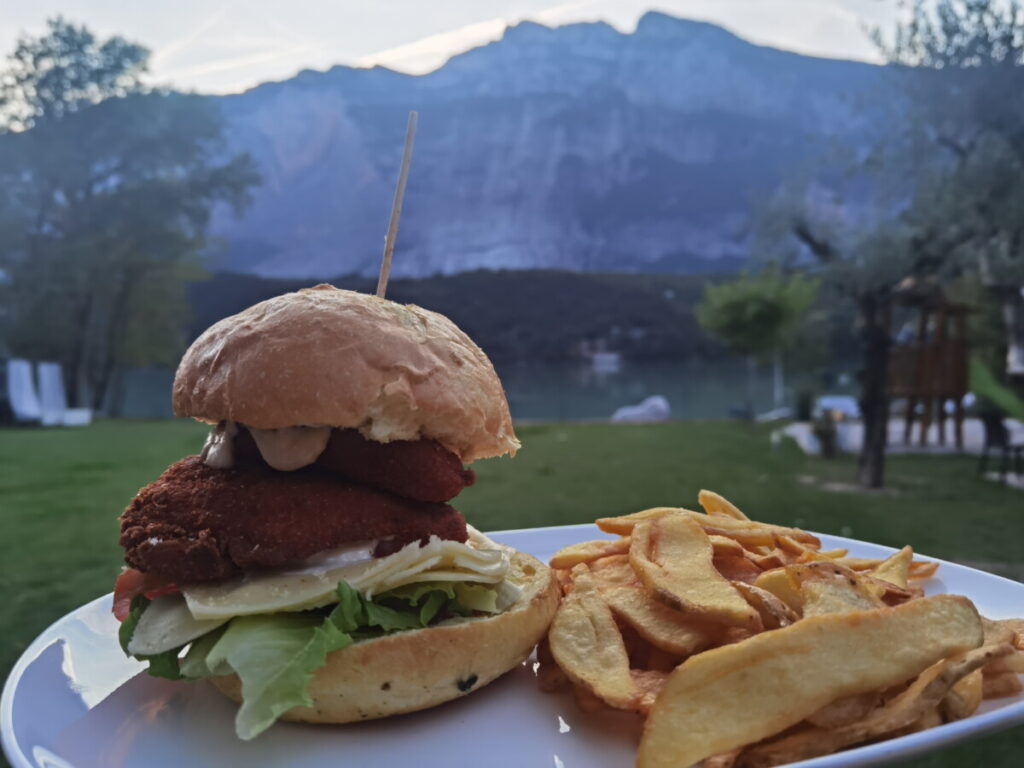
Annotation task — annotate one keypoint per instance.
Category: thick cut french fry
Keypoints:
(663, 627)
(747, 532)
(913, 709)
(587, 551)
(1000, 684)
(730, 696)
(717, 505)
(587, 644)
(614, 571)
(919, 569)
(774, 613)
(649, 682)
(736, 568)
(963, 698)
(726, 547)
(896, 569)
(846, 710)
(829, 588)
(673, 558)
(781, 584)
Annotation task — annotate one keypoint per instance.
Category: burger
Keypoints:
(308, 561)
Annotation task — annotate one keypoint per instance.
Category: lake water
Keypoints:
(559, 391)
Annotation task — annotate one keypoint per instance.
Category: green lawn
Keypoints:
(62, 490)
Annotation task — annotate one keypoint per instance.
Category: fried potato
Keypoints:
(773, 611)
(722, 760)
(736, 568)
(1000, 684)
(719, 506)
(896, 569)
(747, 532)
(673, 558)
(910, 710)
(781, 584)
(726, 547)
(730, 696)
(663, 627)
(829, 588)
(846, 710)
(587, 644)
(1012, 663)
(963, 698)
(649, 682)
(614, 571)
(773, 558)
(919, 569)
(550, 677)
(586, 551)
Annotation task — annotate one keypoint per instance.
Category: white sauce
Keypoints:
(285, 449)
(219, 451)
(291, 448)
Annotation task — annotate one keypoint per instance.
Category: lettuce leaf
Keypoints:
(274, 656)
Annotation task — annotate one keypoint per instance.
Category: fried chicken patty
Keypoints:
(196, 523)
(418, 469)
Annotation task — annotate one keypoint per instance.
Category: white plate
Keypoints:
(73, 699)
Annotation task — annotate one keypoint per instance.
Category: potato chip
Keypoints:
(587, 644)
(1012, 663)
(716, 505)
(586, 551)
(672, 557)
(896, 569)
(730, 696)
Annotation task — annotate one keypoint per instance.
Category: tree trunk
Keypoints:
(875, 318)
(115, 334)
(751, 376)
(74, 373)
(778, 381)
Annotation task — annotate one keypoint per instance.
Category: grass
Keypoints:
(62, 490)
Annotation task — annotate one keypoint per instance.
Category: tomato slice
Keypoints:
(132, 583)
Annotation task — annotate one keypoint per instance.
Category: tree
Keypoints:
(756, 316)
(961, 64)
(111, 188)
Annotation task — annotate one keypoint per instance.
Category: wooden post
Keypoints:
(396, 206)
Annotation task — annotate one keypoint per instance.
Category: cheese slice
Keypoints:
(299, 589)
(167, 624)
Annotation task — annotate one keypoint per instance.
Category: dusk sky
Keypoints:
(230, 46)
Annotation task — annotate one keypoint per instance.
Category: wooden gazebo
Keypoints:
(930, 370)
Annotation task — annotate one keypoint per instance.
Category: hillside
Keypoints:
(577, 148)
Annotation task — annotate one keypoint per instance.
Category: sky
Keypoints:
(227, 46)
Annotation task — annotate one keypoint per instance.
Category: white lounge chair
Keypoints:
(21, 391)
(54, 403)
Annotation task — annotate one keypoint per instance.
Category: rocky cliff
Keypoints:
(577, 147)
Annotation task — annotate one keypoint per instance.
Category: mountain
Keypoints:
(576, 147)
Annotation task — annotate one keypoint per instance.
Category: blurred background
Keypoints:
(773, 248)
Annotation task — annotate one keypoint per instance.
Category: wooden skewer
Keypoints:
(396, 207)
